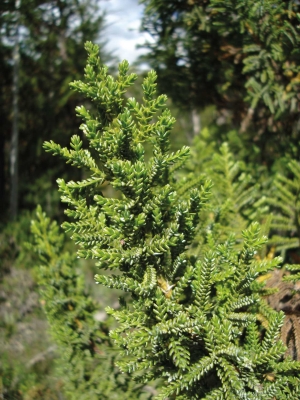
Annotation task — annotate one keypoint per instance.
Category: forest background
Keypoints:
(232, 75)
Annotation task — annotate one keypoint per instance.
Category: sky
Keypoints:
(123, 18)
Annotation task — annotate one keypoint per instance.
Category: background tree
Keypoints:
(240, 56)
(52, 34)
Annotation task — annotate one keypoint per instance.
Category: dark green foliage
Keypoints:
(51, 50)
(87, 361)
(240, 56)
(193, 321)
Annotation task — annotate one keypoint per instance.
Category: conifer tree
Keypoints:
(195, 322)
(86, 362)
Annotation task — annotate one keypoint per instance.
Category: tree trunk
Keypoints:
(15, 120)
(196, 122)
(194, 125)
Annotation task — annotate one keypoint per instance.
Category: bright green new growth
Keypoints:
(193, 321)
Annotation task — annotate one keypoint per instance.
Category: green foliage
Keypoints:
(26, 350)
(233, 185)
(243, 55)
(285, 225)
(87, 361)
(236, 199)
(194, 321)
(285, 205)
(52, 35)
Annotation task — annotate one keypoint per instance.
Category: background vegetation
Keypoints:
(231, 71)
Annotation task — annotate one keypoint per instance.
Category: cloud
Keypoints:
(123, 18)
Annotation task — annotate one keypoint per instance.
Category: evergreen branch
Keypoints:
(196, 320)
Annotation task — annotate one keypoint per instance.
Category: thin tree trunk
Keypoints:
(14, 175)
(196, 122)
(194, 125)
